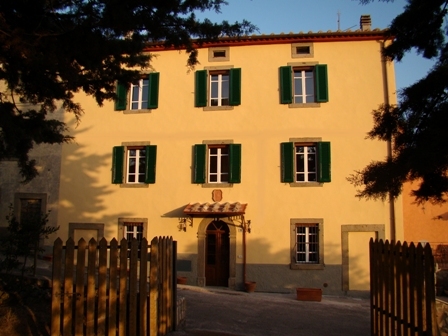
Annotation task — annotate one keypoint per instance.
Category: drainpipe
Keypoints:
(389, 145)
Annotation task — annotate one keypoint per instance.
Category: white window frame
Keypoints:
(219, 164)
(220, 83)
(140, 99)
(300, 74)
(295, 264)
(305, 171)
(123, 225)
(311, 237)
(137, 158)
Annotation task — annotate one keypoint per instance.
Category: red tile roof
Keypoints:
(228, 209)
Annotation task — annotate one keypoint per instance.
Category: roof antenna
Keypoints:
(339, 20)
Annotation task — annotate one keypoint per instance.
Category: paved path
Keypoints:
(220, 312)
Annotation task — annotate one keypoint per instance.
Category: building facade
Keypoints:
(243, 160)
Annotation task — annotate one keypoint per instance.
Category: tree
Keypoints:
(417, 127)
(51, 49)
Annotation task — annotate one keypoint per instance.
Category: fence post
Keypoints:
(174, 282)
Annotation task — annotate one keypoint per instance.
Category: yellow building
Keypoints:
(243, 160)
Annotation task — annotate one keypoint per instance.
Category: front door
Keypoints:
(217, 254)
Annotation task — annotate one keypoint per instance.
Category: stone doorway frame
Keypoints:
(202, 228)
(380, 233)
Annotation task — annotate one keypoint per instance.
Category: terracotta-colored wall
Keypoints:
(425, 222)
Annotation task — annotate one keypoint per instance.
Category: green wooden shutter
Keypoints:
(117, 164)
(153, 92)
(200, 88)
(286, 85)
(235, 87)
(321, 83)
(235, 163)
(150, 164)
(324, 153)
(122, 93)
(287, 162)
(200, 152)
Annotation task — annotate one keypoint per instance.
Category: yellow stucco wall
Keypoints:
(260, 124)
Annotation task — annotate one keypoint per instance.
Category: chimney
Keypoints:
(365, 22)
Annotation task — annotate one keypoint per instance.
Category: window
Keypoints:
(132, 228)
(218, 54)
(305, 162)
(218, 88)
(142, 95)
(304, 84)
(302, 50)
(306, 243)
(134, 164)
(29, 206)
(217, 163)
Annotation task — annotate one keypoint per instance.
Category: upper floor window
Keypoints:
(305, 162)
(216, 88)
(302, 50)
(217, 163)
(305, 84)
(142, 95)
(134, 164)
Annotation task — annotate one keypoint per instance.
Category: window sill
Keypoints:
(217, 185)
(134, 185)
(306, 184)
(136, 111)
(304, 105)
(218, 108)
(310, 267)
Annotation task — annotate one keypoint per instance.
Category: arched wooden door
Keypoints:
(217, 254)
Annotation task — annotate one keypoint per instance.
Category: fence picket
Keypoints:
(56, 290)
(79, 287)
(132, 304)
(143, 289)
(419, 287)
(102, 287)
(153, 287)
(113, 274)
(91, 263)
(122, 291)
(68, 287)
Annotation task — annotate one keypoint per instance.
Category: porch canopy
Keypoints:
(215, 209)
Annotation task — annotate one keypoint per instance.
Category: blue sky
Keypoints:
(277, 16)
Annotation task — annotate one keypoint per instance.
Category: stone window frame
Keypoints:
(295, 54)
(292, 228)
(212, 57)
(38, 196)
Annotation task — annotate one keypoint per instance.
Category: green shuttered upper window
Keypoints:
(303, 84)
(217, 163)
(305, 162)
(216, 88)
(134, 164)
(142, 95)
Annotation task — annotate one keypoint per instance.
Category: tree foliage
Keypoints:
(51, 49)
(418, 126)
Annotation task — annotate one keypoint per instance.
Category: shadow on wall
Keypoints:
(84, 191)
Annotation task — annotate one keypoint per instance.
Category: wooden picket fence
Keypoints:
(118, 290)
(402, 291)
